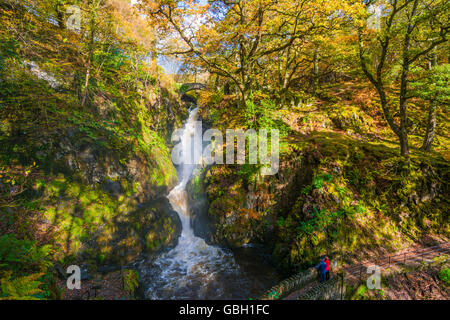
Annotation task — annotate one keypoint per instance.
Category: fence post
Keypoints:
(389, 262)
(404, 258)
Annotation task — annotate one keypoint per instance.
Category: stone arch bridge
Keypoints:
(185, 87)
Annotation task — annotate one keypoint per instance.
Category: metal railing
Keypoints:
(419, 255)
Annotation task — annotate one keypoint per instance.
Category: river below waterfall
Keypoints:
(194, 269)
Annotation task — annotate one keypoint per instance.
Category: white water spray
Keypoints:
(193, 269)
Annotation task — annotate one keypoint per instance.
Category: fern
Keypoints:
(21, 288)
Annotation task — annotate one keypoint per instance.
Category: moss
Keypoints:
(333, 194)
(369, 200)
(444, 275)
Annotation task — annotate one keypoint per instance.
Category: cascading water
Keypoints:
(194, 269)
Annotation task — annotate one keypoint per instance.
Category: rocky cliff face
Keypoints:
(327, 198)
(84, 158)
(108, 205)
(238, 206)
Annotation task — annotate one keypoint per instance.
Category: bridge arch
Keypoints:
(185, 87)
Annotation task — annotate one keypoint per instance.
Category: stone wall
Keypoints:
(333, 289)
(285, 287)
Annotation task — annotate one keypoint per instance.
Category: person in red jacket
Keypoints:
(327, 275)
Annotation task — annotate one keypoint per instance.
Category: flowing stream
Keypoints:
(194, 269)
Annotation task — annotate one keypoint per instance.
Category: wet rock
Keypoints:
(139, 221)
(43, 75)
(202, 223)
(148, 230)
(188, 99)
(107, 269)
(113, 187)
(61, 272)
(85, 275)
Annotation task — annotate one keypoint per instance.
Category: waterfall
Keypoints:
(194, 269)
(178, 196)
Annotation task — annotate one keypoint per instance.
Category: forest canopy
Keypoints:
(91, 92)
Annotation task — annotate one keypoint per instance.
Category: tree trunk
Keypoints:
(90, 56)
(431, 127)
(404, 85)
(60, 16)
(226, 88)
(316, 71)
(404, 146)
(241, 95)
(284, 89)
(431, 124)
(216, 82)
(86, 83)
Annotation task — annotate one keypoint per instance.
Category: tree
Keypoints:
(432, 86)
(238, 40)
(93, 9)
(410, 29)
